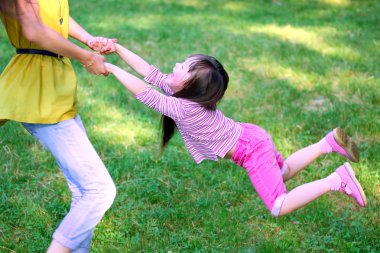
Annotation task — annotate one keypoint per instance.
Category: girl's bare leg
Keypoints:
(301, 159)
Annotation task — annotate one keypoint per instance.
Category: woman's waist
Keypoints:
(38, 68)
(37, 51)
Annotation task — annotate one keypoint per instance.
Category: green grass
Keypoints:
(297, 69)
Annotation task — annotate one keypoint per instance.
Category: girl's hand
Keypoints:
(102, 45)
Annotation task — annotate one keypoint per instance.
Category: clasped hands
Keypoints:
(102, 46)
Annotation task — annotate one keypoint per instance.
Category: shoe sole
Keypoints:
(347, 144)
(351, 172)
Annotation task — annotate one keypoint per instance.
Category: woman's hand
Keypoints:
(102, 45)
(95, 65)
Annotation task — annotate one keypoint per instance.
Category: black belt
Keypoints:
(37, 51)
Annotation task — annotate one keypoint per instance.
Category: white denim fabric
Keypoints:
(92, 188)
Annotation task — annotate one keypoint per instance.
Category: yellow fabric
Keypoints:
(38, 88)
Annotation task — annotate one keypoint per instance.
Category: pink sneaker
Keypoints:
(350, 185)
(342, 144)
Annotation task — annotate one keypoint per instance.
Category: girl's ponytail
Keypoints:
(168, 127)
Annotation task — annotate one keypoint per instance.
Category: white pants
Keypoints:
(92, 188)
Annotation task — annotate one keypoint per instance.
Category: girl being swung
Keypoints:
(192, 92)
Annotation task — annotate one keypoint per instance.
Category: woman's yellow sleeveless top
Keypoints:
(38, 88)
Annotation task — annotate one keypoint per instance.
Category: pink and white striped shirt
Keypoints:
(206, 133)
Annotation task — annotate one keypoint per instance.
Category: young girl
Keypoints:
(192, 92)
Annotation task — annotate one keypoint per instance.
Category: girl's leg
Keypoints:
(92, 188)
(343, 179)
(304, 194)
(300, 160)
(336, 141)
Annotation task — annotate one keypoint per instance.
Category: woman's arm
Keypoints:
(77, 32)
(35, 31)
(103, 45)
(131, 82)
(136, 62)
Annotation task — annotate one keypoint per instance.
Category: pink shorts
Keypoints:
(256, 153)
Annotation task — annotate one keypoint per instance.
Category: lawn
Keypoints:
(297, 68)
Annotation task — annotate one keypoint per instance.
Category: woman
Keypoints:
(38, 89)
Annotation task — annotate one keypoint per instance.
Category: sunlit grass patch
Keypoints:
(273, 71)
(235, 6)
(338, 3)
(313, 39)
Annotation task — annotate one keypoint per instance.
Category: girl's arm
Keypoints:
(133, 60)
(131, 82)
(167, 105)
(150, 73)
(35, 31)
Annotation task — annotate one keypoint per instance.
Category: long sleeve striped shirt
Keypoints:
(208, 134)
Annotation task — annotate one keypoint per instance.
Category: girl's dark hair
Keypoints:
(206, 85)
